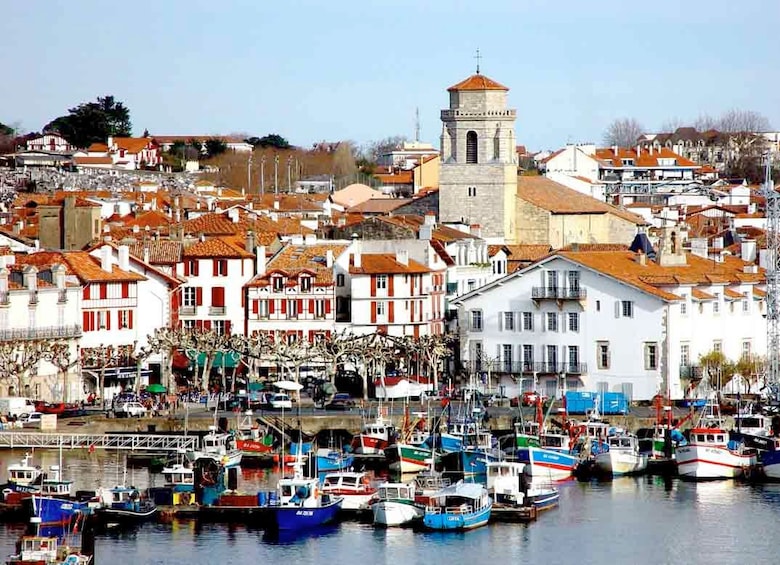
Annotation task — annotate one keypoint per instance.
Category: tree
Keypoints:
(623, 132)
(19, 362)
(61, 354)
(344, 160)
(215, 146)
(748, 146)
(99, 359)
(271, 140)
(92, 122)
(750, 367)
(718, 368)
(371, 151)
(6, 130)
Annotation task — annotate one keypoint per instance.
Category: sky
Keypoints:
(358, 70)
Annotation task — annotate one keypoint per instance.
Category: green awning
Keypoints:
(254, 387)
(231, 359)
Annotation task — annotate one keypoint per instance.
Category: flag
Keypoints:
(92, 448)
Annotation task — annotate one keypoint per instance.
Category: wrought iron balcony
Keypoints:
(216, 310)
(49, 332)
(557, 293)
(187, 310)
(539, 367)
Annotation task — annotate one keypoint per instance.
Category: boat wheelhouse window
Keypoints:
(699, 437)
(710, 437)
(751, 422)
(349, 481)
(625, 442)
(286, 490)
(720, 439)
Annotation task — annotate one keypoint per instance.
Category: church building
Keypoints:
(478, 176)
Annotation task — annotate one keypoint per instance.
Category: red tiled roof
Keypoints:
(385, 264)
(643, 159)
(93, 160)
(216, 247)
(477, 82)
(161, 252)
(294, 260)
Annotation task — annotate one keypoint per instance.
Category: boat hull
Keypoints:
(457, 521)
(326, 464)
(56, 511)
(770, 462)
(124, 516)
(368, 445)
(695, 462)
(547, 463)
(390, 513)
(302, 518)
(404, 458)
(617, 463)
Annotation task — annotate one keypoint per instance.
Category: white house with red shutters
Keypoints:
(215, 270)
(51, 142)
(293, 295)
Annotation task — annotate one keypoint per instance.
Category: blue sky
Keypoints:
(313, 70)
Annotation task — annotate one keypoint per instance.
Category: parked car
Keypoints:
(340, 401)
(128, 409)
(30, 419)
(279, 401)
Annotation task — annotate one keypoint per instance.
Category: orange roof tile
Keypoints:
(79, 263)
(528, 252)
(758, 293)
(701, 295)
(216, 247)
(385, 264)
(294, 260)
(93, 160)
(160, 252)
(642, 159)
(477, 82)
(733, 294)
(133, 144)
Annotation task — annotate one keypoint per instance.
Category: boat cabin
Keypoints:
(42, 549)
(462, 428)
(460, 498)
(505, 480)
(217, 444)
(347, 482)
(179, 476)
(300, 491)
(396, 491)
(752, 424)
(53, 485)
(622, 442)
(24, 473)
(709, 436)
(556, 442)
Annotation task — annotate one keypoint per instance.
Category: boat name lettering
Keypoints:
(304, 513)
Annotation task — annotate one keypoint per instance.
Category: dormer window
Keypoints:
(305, 284)
(278, 283)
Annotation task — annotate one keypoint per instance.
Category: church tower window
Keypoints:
(471, 147)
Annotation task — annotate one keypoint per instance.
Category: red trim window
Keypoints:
(125, 290)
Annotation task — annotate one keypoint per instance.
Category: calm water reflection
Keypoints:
(627, 521)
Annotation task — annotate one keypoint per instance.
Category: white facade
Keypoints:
(602, 334)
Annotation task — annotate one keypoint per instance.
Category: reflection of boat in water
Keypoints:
(286, 537)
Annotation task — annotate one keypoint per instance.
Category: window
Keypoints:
(123, 319)
(476, 320)
(528, 321)
(472, 284)
(602, 354)
(340, 279)
(574, 321)
(552, 322)
(574, 359)
(381, 281)
(472, 191)
(746, 348)
(598, 305)
(552, 358)
(716, 304)
(627, 307)
(218, 326)
(102, 319)
(221, 267)
(685, 354)
(472, 153)
(381, 308)
(528, 357)
(506, 357)
(319, 308)
(191, 268)
(188, 324)
(262, 308)
(745, 306)
(651, 356)
(477, 354)
(683, 305)
(717, 345)
(292, 308)
(305, 284)
(278, 283)
(552, 280)
(189, 296)
(509, 321)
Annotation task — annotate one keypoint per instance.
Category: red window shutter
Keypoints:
(284, 306)
(300, 306)
(373, 285)
(207, 324)
(195, 267)
(85, 292)
(271, 306)
(327, 306)
(93, 321)
(85, 322)
(125, 290)
(373, 312)
(199, 324)
(390, 289)
(186, 267)
(108, 319)
(198, 296)
(390, 311)
(215, 296)
(311, 306)
(103, 290)
(227, 326)
(255, 306)
(130, 319)
(411, 314)
(214, 267)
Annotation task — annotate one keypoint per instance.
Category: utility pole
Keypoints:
(772, 283)
(262, 175)
(276, 174)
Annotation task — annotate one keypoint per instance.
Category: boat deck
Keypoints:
(507, 513)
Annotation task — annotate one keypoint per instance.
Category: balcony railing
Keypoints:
(557, 293)
(526, 368)
(187, 310)
(49, 332)
(216, 310)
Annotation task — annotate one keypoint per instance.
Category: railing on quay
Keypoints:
(120, 442)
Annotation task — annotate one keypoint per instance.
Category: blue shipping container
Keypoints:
(608, 402)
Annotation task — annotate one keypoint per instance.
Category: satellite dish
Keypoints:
(288, 385)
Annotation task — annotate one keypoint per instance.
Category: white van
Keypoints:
(16, 405)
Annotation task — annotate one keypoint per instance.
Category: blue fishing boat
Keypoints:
(462, 506)
(332, 460)
(54, 505)
(547, 463)
(301, 505)
(124, 505)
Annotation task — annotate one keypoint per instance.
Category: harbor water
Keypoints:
(629, 520)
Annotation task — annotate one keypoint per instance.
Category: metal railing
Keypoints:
(216, 310)
(48, 332)
(187, 310)
(126, 442)
(558, 293)
(526, 367)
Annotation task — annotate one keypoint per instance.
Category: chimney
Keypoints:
(475, 230)
(717, 243)
(641, 259)
(357, 261)
(233, 215)
(146, 254)
(329, 258)
(310, 239)
(250, 241)
(30, 276)
(110, 142)
(699, 247)
(276, 203)
(124, 257)
(402, 256)
(58, 275)
(105, 258)
(748, 250)
(260, 260)
(3, 279)
(426, 232)
(136, 228)
(615, 150)
(430, 219)
(342, 221)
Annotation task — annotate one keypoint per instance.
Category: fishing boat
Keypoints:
(218, 446)
(621, 456)
(511, 486)
(354, 487)
(301, 504)
(24, 476)
(394, 505)
(710, 454)
(333, 460)
(53, 504)
(124, 505)
(407, 458)
(180, 478)
(46, 550)
(461, 506)
(374, 436)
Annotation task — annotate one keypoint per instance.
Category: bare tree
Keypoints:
(167, 341)
(623, 132)
(61, 354)
(705, 122)
(205, 342)
(373, 150)
(99, 359)
(19, 362)
(671, 125)
(344, 160)
(748, 146)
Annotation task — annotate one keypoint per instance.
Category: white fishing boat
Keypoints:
(24, 474)
(394, 505)
(510, 485)
(461, 506)
(354, 487)
(218, 446)
(374, 436)
(621, 456)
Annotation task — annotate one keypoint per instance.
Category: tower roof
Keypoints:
(477, 82)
